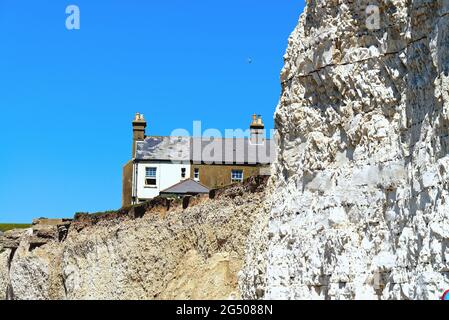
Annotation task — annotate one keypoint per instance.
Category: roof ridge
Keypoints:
(176, 184)
(212, 149)
(184, 181)
(203, 138)
(200, 183)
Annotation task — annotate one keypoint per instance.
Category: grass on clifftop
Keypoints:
(9, 226)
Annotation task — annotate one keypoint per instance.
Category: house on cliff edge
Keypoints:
(161, 164)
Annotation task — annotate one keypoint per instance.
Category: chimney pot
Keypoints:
(257, 130)
(139, 125)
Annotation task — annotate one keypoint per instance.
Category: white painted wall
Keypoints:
(168, 174)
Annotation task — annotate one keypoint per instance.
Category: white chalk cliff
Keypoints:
(357, 206)
(361, 202)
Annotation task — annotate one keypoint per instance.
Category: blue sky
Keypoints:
(67, 98)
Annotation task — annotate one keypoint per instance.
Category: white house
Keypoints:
(159, 163)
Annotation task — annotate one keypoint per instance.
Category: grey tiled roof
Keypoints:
(186, 187)
(205, 150)
(164, 148)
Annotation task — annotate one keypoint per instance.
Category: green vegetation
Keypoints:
(94, 214)
(9, 226)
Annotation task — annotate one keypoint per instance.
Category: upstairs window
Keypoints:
(151, 176)
(237, 176)
(183, 173)
(196, 174)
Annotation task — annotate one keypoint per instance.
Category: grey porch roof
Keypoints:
(205, 150)
(188, 186)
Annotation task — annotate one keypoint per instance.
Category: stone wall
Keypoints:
(127, 184)
(218, 176)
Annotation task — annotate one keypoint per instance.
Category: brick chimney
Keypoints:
(257, 130)
(139, 125)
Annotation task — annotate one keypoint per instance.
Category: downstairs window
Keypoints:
(151, 176)
(237, 176)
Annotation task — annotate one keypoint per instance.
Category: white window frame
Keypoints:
(196, 174)
(150, 177)
(233, 175)
(183, 173)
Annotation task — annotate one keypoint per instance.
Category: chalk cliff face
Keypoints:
(4, 277)
(360, 208)
(154, 252)
(357, 206)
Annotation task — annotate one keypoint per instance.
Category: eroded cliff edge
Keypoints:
(161, 250)
(357, 207)
(360, 208)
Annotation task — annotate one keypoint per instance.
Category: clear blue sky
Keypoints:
(67, 98)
